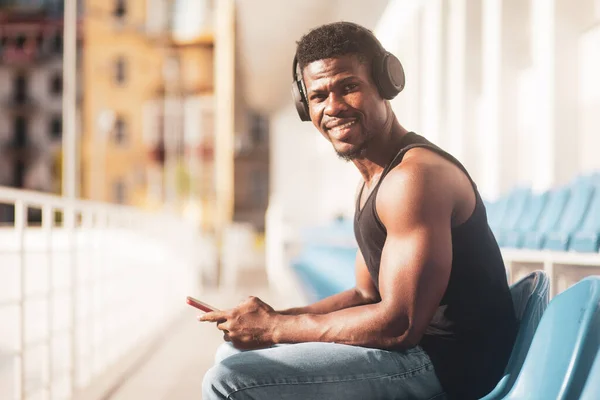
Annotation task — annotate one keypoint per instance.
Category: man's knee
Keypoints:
(225, 350)
(217, 383)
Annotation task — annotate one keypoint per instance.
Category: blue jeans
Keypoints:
(321, 371)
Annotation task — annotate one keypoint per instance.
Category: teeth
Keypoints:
(340, 127)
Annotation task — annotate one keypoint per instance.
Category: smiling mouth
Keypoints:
(339, 128)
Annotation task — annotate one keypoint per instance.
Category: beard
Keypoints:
(354, 153)
(357, 151)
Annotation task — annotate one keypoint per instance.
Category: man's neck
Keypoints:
(380, 152)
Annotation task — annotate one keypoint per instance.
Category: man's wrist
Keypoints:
(279, 320)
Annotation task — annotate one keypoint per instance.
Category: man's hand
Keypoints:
(248, 326)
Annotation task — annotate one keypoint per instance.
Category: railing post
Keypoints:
(20, 224)
(47, 225)
(69, 226)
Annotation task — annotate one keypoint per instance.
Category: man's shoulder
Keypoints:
(421, 168)
(427, 177)
(416, 183)
(433, 181)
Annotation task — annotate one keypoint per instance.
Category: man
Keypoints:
(431, 314)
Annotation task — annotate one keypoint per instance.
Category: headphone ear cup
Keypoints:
(299, 101)
(388, 74)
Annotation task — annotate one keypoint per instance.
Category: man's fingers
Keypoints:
(213, 316)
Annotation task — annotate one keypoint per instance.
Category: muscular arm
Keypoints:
(363, 293)
(414, 271)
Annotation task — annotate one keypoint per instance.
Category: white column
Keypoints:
(543, 60)
(431, 67)
(455, 79)
(399, 31)
(488, 130)
(473, 86)
(497, 121)
(589, 99)
(572, 20)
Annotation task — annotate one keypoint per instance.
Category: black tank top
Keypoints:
(471, 335)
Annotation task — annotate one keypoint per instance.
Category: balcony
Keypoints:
(18, 57)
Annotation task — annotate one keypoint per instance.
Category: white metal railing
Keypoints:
(564, 269)
(85, 286)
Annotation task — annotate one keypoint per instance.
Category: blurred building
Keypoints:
(149, 129)
(187, 99)
(252, 171)
(122, 71)
(31, 47)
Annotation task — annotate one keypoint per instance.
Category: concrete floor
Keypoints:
(175, 370)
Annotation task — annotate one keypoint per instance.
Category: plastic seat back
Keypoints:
(554, 209)
(587, 238)
(563, 347)
(550, 218)
(532, 213)
(573, 215)
(497, 212)
(516, 207)
(578, 206)
(591, 223)
(530, 299)
(591, 390)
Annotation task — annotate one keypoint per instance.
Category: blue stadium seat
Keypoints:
(573, 215)
(530, 299)
(326, 262)
(550, 219)
(529, 221)
(516, 205)
(326, 271)
(497, 212)
(563, 347)
(591, 391)
(587, 239)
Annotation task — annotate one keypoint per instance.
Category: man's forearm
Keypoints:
(366, 325)
(348, 298)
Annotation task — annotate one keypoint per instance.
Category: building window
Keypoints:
(120, 70)
(20, 131)
(56, 127)
(19, 174)
(120, 9)
(56, 84)
(20, 88)
(57, 43)
(39, 39)
(120, 131)
(20, 42)
(119, 191)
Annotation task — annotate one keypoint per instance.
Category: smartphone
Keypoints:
(200, 305)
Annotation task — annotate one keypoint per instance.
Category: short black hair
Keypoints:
(337, 39)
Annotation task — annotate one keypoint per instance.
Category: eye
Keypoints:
(350, 87)
(317, 97)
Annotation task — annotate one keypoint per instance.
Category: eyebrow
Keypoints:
(342, 81)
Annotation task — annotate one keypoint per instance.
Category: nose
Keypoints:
(335, 105)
